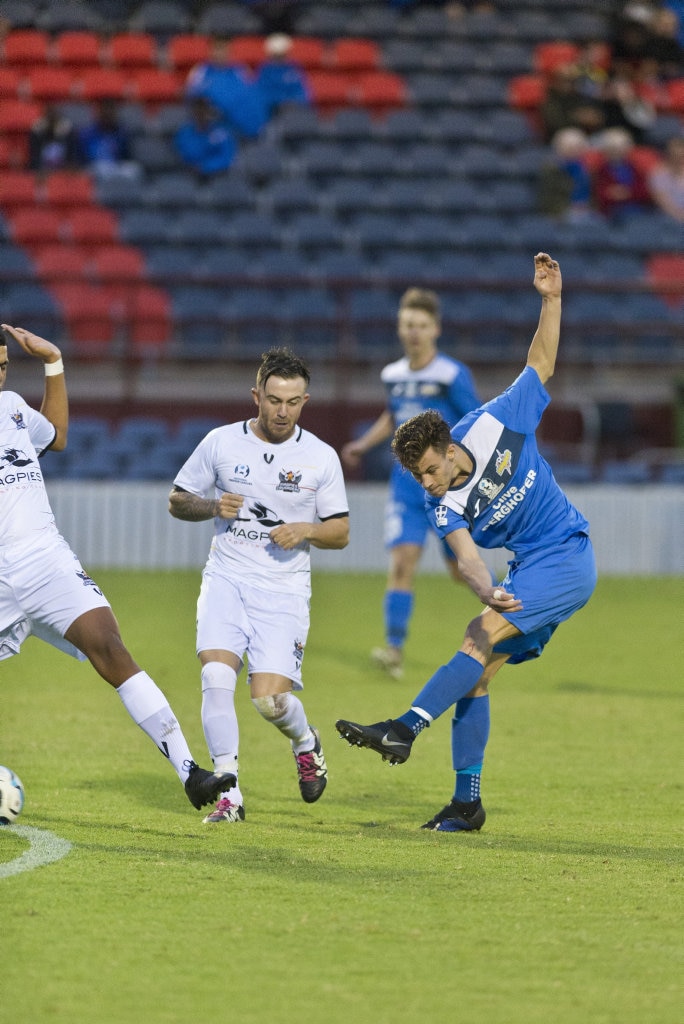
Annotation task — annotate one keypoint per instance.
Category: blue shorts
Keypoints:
(406, 520)
(552, 586)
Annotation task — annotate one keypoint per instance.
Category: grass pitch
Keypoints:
(565, 908)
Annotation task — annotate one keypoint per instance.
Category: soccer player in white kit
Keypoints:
(273, 490)
(44, 589)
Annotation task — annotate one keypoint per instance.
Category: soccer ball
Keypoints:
(11, 796)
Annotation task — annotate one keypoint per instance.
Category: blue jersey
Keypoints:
(511, 499)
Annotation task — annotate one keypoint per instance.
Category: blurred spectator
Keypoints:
(281, 80)
(565, 182)
(666, 180)
(628, 103)
(105, 144)
(230, 89)
(620, 186)
(53, 143)
(205, 142)
(592, 65)
(678, 7)
(565, 106)
(664, 48)
(631, 37)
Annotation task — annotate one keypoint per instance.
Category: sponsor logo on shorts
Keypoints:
(88, 581)
(298, 652)
(289, 480)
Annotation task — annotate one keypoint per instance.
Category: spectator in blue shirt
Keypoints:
(230, 89)
(105, 143)
(280, 80)
(205, 142)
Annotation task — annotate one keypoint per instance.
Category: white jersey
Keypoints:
(25, 511)
(297, 481)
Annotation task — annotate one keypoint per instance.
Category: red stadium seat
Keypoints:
(18, 115)
(35, 226)
(77, 49)
(90, 225)
(132, 49)
(380, 91)
(155, 85)
(26, 47)
(103, 84)
(549, 56)
(184, 51)
(667, 269)
(10, 80)
(526, 92)
(17, 188)
(247, 50)
(51, 84)
(308, 52)
(89, 315)
(150, 324)
(68, 188)
(675, 95)
(118, 263)
(354, 55)
(330, 92)
(61, 262)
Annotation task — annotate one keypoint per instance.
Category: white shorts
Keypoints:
(270, 629)
(42, 591)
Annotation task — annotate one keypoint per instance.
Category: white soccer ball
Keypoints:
(11, 796)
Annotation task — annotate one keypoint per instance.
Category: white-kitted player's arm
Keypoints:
(55, 404)
(331, 534)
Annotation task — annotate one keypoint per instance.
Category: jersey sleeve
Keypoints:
(522, 404)
(331, 495)
(198, 473)
(41, 431)
(443, 518)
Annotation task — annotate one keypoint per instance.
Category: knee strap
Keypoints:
(217, 676)
(272, 706)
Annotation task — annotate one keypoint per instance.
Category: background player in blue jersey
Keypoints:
(424, 378)
(488, 485)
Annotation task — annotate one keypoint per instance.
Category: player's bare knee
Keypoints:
(272, 706)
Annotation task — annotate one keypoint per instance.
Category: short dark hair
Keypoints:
(281, 362)
(413, 438)
(421, 298)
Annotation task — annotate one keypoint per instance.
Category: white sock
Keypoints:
(149, 708)
(219, 720)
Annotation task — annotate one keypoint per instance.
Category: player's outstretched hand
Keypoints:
(501, 601)
(32, 344)
(547, 275)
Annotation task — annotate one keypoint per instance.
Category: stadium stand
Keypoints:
(420, 152)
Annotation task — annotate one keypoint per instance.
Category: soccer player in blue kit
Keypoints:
(424, 378)
(486, 484)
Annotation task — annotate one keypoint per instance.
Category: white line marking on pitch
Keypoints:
(44, 848)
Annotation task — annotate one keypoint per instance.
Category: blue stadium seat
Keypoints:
(351, 125)
(197, 313)
(350, 195)
(191, 430)
(229, 191)
(161, 18)
(141, 433)
(311, 314)
(154, 153)
(222, 262)
(252, 231)
(479, 90)
(404, 56)
(199, 227)
(672, 473)
(289, 197)
(311, 232)
(504, 128)
(172, 189)
(451, 195)
(171, 261)
(146, 227)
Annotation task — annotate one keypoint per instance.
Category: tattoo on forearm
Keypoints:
(193, 508)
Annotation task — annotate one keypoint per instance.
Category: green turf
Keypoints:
(566, 908)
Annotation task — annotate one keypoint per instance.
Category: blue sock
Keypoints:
(469, 735)
(398, 606)
(415, 722)
(449, 683)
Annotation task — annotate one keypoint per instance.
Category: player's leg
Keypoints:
(222, 630)
(96, 634)
(280, 626)
(406, 528)
(469, 736)
(394, 737)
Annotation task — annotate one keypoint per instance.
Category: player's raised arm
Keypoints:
(55, 405)
(544, 347)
